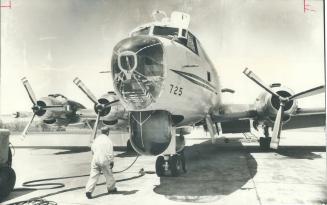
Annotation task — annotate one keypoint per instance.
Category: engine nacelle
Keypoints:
(60, 116)
(116, 111)
(267, 105)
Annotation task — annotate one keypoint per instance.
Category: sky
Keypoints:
(52, 42)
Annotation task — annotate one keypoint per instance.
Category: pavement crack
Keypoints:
(251, 175)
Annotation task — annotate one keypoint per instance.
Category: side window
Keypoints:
(209, 76)
(191, 43)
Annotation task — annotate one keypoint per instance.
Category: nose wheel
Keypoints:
(265, 141)
(171, 165)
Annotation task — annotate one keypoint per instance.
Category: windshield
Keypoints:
(165, 31)
(143, 31)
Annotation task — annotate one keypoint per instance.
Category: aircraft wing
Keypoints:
(301, 118)
(231, 112)
(86, 114)
(307, 117)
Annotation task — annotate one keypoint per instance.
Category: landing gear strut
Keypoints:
(265, 141)
(172, 165)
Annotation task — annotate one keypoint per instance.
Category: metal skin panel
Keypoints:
(184, 69)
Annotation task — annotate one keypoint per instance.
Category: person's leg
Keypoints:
(93, 179)
(110, 180)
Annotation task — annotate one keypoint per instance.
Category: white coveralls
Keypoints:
(103, 155)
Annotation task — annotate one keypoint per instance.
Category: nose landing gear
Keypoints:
(265, 141)
(170, 165)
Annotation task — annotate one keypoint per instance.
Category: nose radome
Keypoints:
(137, 69)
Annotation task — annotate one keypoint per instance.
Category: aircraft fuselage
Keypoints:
(157, 73)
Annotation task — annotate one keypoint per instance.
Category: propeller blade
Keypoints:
(26, 128)
(95, 128)
(258, 81)
(105, 71)
(112, 103)
(85, 90)
(310, 92)
(277, 128)
(29, 90)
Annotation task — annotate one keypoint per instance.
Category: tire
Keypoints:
(265, 143)
(159, 166)
(7, 181)
(175, 165)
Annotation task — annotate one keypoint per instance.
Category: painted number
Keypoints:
(176, 90)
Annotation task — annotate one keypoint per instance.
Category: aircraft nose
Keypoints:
(137, 69)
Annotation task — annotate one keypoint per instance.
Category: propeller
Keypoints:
(102, 108)
(39, 108)
(283, 100)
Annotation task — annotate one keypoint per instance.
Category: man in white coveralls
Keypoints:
(102, 161)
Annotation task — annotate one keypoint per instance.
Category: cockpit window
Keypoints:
(143, 31)
(191, 43)
(165, 31)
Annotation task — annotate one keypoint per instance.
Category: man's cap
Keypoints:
(105, 129)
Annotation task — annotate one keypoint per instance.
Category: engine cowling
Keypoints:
(267, 105)
(115, 112)
(63, 116)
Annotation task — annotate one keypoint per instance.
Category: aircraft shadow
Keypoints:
(73, 150)
(299, 154)
(296, 152)
(213, 171)
(66, 149)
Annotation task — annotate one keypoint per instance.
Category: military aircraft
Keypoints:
(164, 83)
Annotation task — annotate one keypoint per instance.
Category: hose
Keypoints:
(137, 156)
(60, 185)
(35, 201)
(40, 201)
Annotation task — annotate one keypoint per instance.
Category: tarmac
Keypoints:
(231, 171)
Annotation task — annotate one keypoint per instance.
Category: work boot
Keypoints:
(114, 190)
(88, 195)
